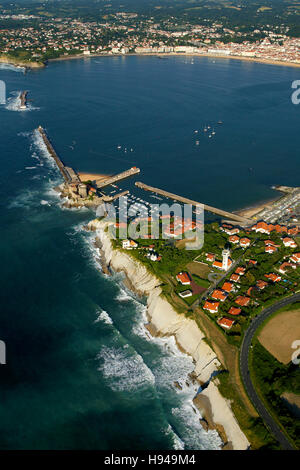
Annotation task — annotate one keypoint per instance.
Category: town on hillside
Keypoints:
(35, 34)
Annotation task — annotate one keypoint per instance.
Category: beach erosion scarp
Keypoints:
(165, 321)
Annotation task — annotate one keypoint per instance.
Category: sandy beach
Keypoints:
(183, 54)
(254, 210)
(165, 321)
(36, 65)
(91, 176)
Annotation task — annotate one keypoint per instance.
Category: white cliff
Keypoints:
(166, 321)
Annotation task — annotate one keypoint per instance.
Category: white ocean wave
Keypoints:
(12, 68)
(126, 371)
(39, 150)
(170, 367)
(104, 317)
(189, 427)
(13, 103)
(24, 200)
(178, 444)
(123, 295)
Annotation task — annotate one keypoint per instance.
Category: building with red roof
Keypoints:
(261, 284)
(234, 278)
(243, 301)
(240, 271)
(286, 266)
(270, 249)
(183, 278)
(211, 306)
(245, 242)
(289, 242)
(253, 262)
(293, 231)
(269, 243)
(225, 323)
(273, 277)
(228, 286)
(234, 311)
(295, 258)
(234, 239)
(210, 257)
(218, 294)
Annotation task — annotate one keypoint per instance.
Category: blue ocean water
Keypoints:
(82, 371)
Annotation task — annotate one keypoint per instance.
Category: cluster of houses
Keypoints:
(180, 226)
(172, 227)
(219, 295)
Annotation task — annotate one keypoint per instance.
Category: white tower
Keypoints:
(225, 255)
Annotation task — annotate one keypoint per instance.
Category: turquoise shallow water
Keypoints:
(81, 371)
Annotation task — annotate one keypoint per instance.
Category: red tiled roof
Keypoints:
(273, 277)
(183, 278)
(210, 305)
(227, 286)
(270, 249)
(234, 311)
(245, 241)
(233, 239)
(240, 270)
(242, 300)
(261, 284)
(218, 294)
(295, 258)
(225, 322)
(217, 264)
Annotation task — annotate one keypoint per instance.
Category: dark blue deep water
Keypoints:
(82, 373)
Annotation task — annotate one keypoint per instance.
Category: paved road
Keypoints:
(244, 366)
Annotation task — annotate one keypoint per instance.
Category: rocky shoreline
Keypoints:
(165, 321)
(16, 63)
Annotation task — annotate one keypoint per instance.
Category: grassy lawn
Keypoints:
(201, 282)
(201, 270)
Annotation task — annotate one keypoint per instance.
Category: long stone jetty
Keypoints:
(114, 179)
(69, 175)
(214, 210)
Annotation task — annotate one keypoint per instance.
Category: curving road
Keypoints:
(244, 367)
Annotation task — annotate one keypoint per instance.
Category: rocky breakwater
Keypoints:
(165, 321)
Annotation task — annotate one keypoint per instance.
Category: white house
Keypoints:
(129, 244)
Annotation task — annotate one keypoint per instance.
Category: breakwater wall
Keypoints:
(69, 175)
